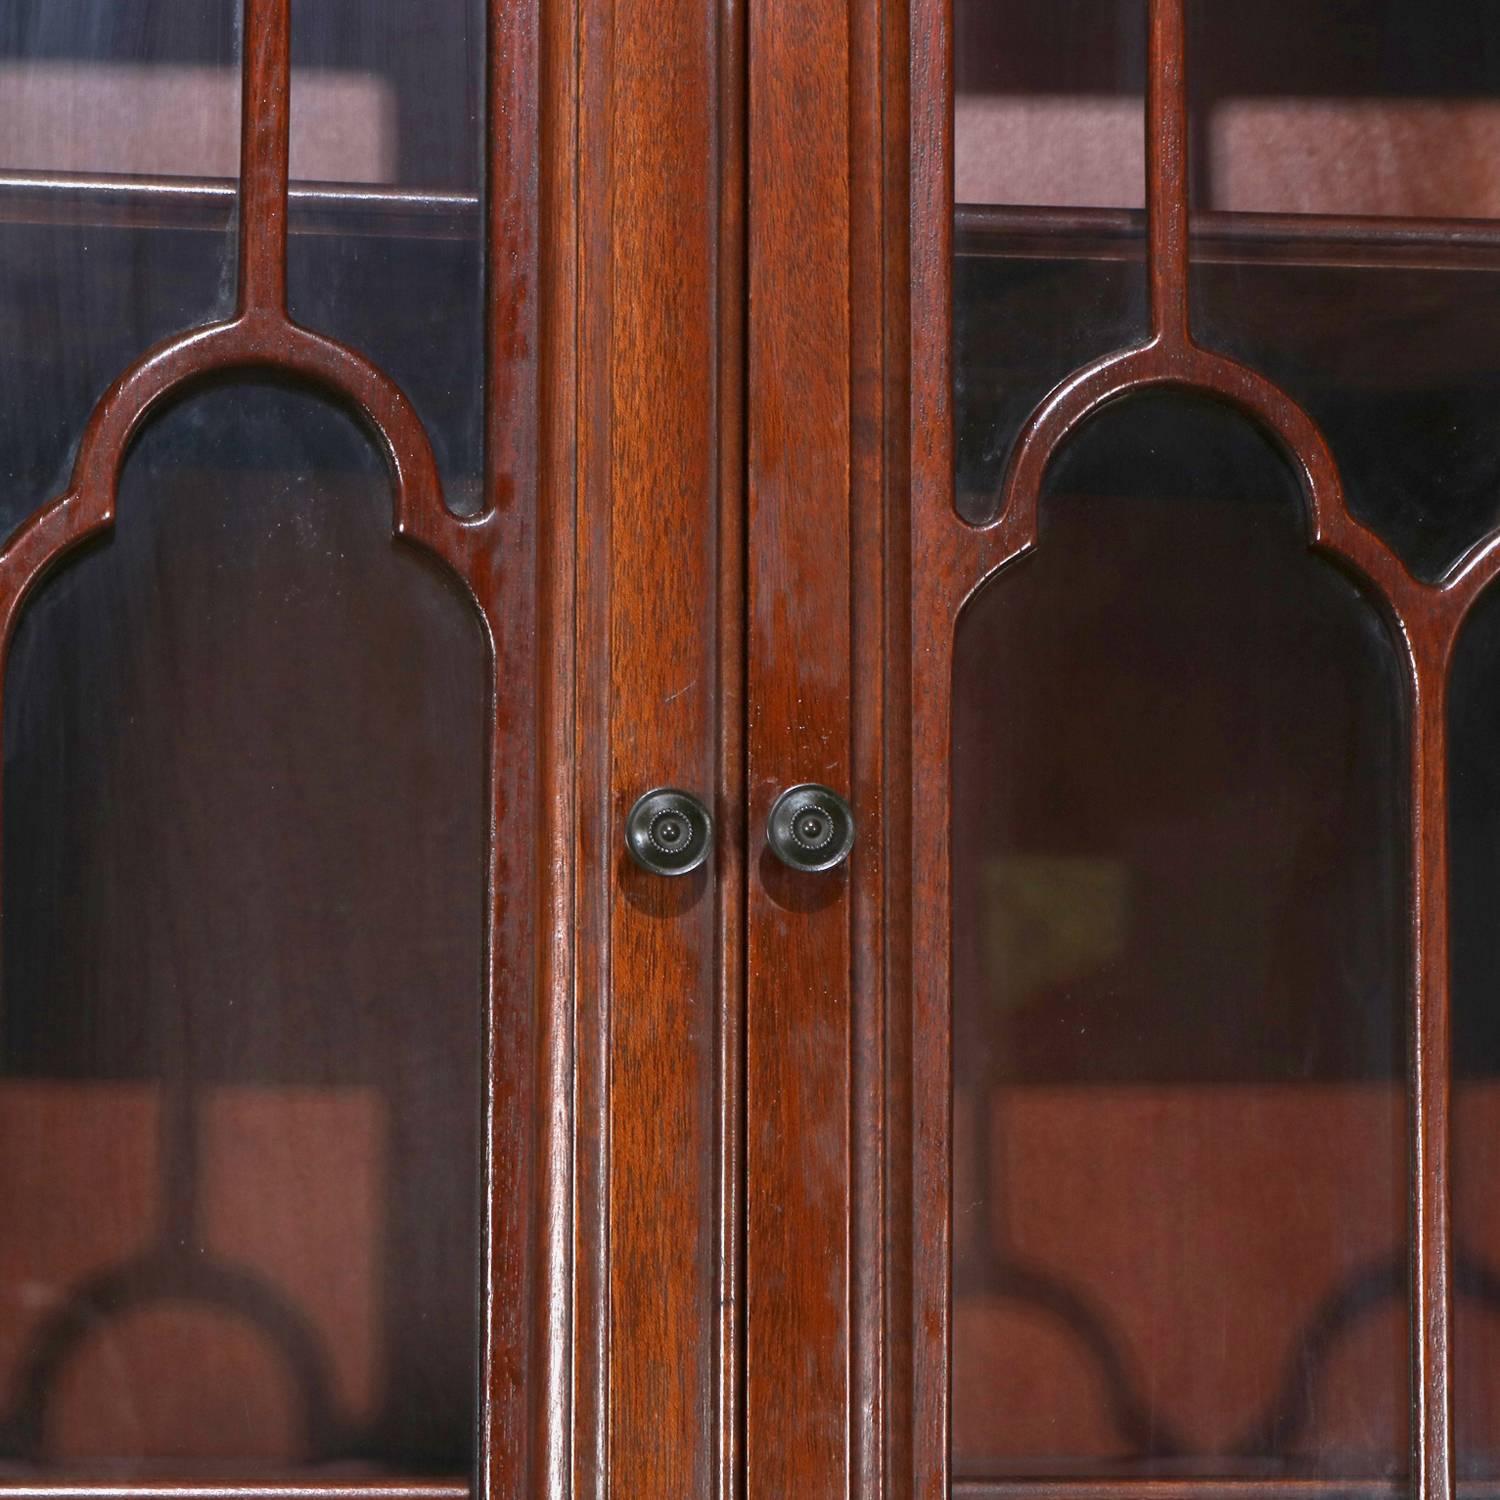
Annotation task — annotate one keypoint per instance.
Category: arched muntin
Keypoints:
(1170, 364)
(1165, 363)
(164, 1272)
(1428, 615)
(253, 342)
(261, 335)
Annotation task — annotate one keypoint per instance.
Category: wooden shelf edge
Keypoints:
(996, 232)
(1122, 1488)
(373, 1488)
(209, 203)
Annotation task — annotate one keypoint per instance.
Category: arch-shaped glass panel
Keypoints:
(245, 747)
(1179, 864)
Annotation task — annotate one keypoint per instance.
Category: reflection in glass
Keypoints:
(1048, 102)
(1364, 107)
(145, 87)
(243, 881)
(1048, 120)
(86, 288)
(400, 280)
(1362, 137)
(1179, 843)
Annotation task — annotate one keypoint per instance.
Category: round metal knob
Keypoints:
(811, 827)
(669, 832)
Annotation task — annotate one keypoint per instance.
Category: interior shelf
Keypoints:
(223, 1482)
(1203, 1489)
(208, 203)
(1285, 239)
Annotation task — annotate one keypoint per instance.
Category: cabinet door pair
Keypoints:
(749, 750)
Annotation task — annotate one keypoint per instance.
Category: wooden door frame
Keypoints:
(827, 620)
(645, 588)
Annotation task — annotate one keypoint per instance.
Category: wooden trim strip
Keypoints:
(265, 144)
(806, 461)
(1167, 175)
(730, 804)
(188, 1489)
(657, 579)
(1202, 1489)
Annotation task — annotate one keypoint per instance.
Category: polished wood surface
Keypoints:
(815, 621)
(797, 1145)
(717, 546)
(659, 592)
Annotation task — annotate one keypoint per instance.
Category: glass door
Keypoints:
(1203, 952)
(267, 1035)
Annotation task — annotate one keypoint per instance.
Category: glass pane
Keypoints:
(148, 87)
(1382, 327)
(1179, 875)
(1048, 132)
(1474, 808)
(244, 900)
(1048, 102)
(90, 278)
(390, 94)
(1373, 107)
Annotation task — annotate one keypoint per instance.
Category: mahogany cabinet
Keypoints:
(1019, 480)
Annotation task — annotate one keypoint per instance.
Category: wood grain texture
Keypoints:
(921, 1213)
(893, 1227)
(869, 315)
(798, 927)
(815, 1183)
(655, 581)
(731, 800)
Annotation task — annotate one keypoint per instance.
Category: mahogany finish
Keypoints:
(820, 270)
(798, 946)
(659, 599)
